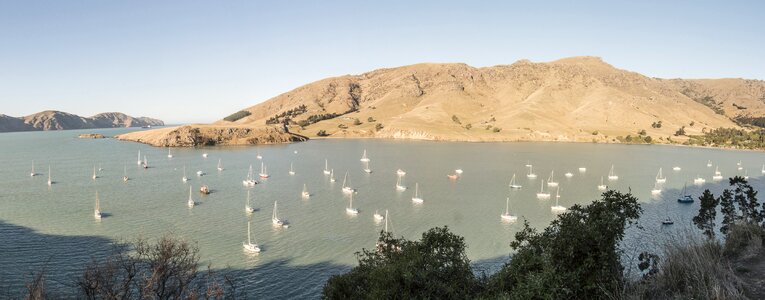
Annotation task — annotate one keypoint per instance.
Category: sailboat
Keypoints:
(364, 157)
(263, 171)
(139, 158)
(259, 156)
(399, 184)
(568, 174)
(305, 193)
(416, 198)
(275, 217)
(220, 166)
(718, 175)
(145, 162)
(326, 167)
(684, 197)
(400, 172)
(551, 180)
(97, 210)
(612, 175)
(124, 174)
(676, 168)
(531, 174)
(513, 184)
(184, 178)
(656, 189)
(347, 189)
(249, 181)
(249, 246)
(582, 169)
(190, 202)
(763, 169)
(366, 167)
(292, 171)
(247, 208)
(458, 171)
(602, 186)
(50, 182)
(660, 178)
(698, 180)
(542, 194)
(746, 174)
(33, 174)
(709, 163)
(528, 164)
(94, 173)
(740, 167)
(378, 217)
(204, 155)
(100, 168)
(350, 209)
(332, 175)
(507, 217)
(557, 207)
(667, 220)
(169, 153)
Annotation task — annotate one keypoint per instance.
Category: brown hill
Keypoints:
(572, 99)
(57, 120)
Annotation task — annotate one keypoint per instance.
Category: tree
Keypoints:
(435, 267)
(576, 257)
(322, 133)
(642, 132)
(680, 131)
(727, 209)
(370, 120)
(378, 127)
(356, 121)
(456, 120)
(705, 220)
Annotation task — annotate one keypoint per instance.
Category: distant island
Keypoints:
(57, 120)
(577, 99)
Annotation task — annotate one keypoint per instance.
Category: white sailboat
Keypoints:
(582, 169)
(169, 153)
(220, 166)
(746, 174)
(145, 162)
(458, 171)
(364, 157)
(326, 167)
(332, 175)
(263, 171)
(740, 167)
(551, 180)
(602, 186)
(417, 198)
(568, 174)
(275, 217)
(676, 168)
(531, 174)
(709, 163)
(33, 174)
(350, 209)
(100, 168)
(542, 194)
(200, 173)
(612, 175)
(50, 182)
(124, 174)
(513, 184)
(400, 184)
(718, 175)
(249, 246)
(763, 169)
(378, 217)
(400, 172)
(139, 158)
(507, 217)
(204, 155)
(557, 208)
(97, 210)
(247, 208)
(366, 167)
(184, 178)
(305, 193)
(660, 178)
(656, 189)
(292, 171)
(94, 173)
(346, 188)
(190, 202)
(699, 180)
(249, 181)
(528, 164)
(259, 156)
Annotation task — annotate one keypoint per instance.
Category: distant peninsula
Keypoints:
(57, 120)
(576, 99)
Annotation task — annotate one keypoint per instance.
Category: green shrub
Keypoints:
(237, 115)
(496, 129)
(456, 120)
(322, 133)
(378, 127)
(356, 122)
(370, 120)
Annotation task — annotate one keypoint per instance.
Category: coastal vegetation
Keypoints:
(237, 115)
(286, 117)
(730, 138)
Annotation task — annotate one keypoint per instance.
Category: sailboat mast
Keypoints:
(98, 205)
(507, 206)
(248, 233)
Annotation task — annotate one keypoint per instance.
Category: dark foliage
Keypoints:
(705, 220)
(237, 115)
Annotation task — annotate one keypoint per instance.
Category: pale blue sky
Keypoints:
(198, 61)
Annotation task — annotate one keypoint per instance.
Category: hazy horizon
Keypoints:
(194, 62)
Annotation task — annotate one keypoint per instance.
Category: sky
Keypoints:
(199, 61)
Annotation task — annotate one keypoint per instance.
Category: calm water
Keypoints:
(53, 227)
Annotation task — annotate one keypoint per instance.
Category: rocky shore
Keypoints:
(210, 135)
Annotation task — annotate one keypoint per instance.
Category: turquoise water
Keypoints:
(53, 227)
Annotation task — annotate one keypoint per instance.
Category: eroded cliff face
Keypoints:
(207, 135)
